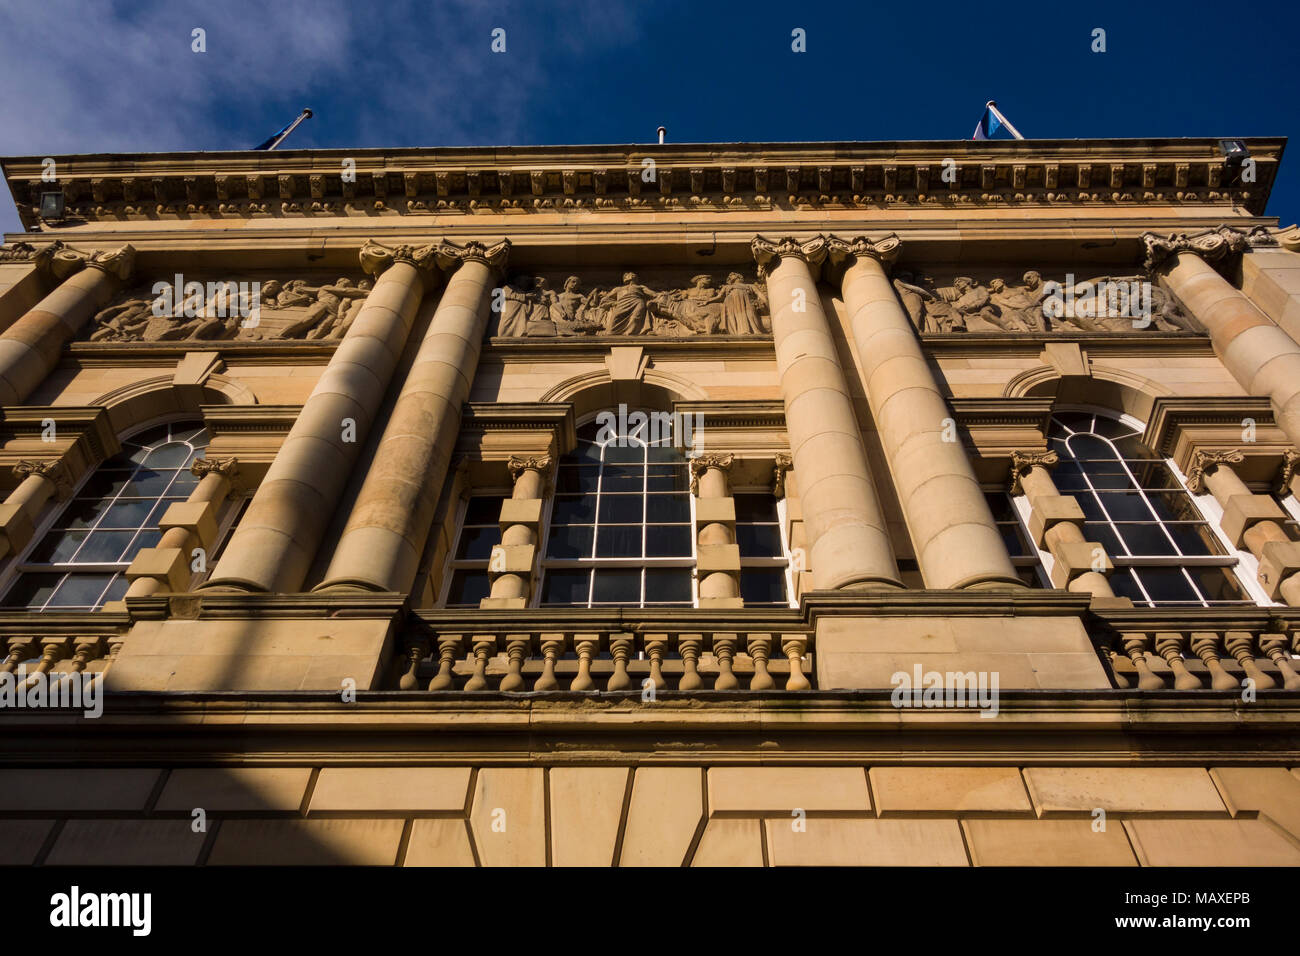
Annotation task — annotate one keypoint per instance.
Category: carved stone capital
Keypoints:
(119, 263)
(1290, 461)
(1289, 238)
(518, 464)
(450, 255)
(1207, 460)
(1023, 461)
(1216, 246)
(53, 470)
(782, 463)
(376, 257)
(702, 463)
(26, 252)
(227, 468)
(811, 251)
(884, 250)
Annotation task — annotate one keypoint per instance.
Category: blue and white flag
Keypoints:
(988, 125)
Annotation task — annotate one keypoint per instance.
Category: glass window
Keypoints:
(764, 567)
(1135, 506)
(480, 532)
(621, 531)
(79, 564)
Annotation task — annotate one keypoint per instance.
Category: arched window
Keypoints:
(621, 530)
(1135, 506)
(79, 564)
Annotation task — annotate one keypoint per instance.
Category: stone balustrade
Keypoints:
(607, 661)
(1193, 659)
(59, 654)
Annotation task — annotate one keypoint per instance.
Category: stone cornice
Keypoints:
(1171, 413)
(706, 176)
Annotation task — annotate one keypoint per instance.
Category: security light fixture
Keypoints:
(1235, 152)
(52, 205)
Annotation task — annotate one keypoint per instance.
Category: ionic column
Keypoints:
(30, 348)
(1253, 522)
(186, 525)
(718, 556)
(277, 538)
(390, 521)
(20, 511)
(957, 542)
(848, 538)
(1261, 357)
(512, 569)
(1056, 525)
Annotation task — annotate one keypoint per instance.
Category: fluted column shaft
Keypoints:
(956, 539)
(390, 521)
(279, 534)
(30, 348)
(849, 544)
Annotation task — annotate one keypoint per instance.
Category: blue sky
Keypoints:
(98, 76)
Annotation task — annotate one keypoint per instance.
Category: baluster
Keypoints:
(655, 645)
(724, 649)
(19, 648)
(793, 646)
(1241, 645)
(552, 645)
(415, 651)
(485, 646)
(1205, 645)
(759, 647)
(688, 646)
(1274, 645)
(1135, 646)
(1121, 679)
(52, 651)
(1169, 645)
(586, 646)
(87, 648)
(620, 648)
(448, 652)
(516, 651)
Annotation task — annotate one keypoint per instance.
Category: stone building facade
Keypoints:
(888, 503)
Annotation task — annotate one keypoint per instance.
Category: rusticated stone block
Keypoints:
(166, 564)
(526, 511)
(199, 518)
(225, 789)
(439, 842)
(910, 789)
(1073, 558)
(1046, 843)
(730, 842)
(21, 840)
(1210, 843)
(586, 809)
(836, 841)
(781, 790)
(1242, 511)
(715, 511)
(1269, 791)
(508, 816)
(1068, 790)
(127, 843)
(513, 559)
(717, 557)
(665, 812)
(1280, 559)
(396, 789)
(1048, 510)
(76, 790)
(319, 842)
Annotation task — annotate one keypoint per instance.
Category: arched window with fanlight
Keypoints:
(1136, 506)
(621, 529)
(79, 561)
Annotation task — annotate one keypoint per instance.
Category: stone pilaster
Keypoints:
(20, 511)
(849, 544)
(273, 547)
(956, 539)
(390, 521)
(1261, 357)
(513, 566)
(31, 347)
(717, 554)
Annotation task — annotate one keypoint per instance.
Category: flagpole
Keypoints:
(306, 114)
(992, 106)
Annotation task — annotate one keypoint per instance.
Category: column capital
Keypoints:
(59, 260)
(1290, 462)
(227, 468)
(376, 257)
(1208, 459)
(494, 256)
(884, 250)
(119, 263)
(1023, 461)
(782, 463)
(53, 470)
(1216, 246)
(1288, 238)
(811, 250)
(702, 463)
(518, 464)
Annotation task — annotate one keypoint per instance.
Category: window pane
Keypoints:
(573, 541)
(624, 454)
(668, 541)
(668, 585)
(117, 590)
(755, 508)
(483, 509)
(80, 590)
(619, 541)
(577, 479)
(147, 483)
(171, 455)
(82, 514)
(617, 586)
(57, 547)
(763, 586)
(565, 587)
(759, 540)
(127, 513)
(1127, 506)
(32, 590)
(574, 509)
(468, 588)
(1166, 584)
(104, 547)
(1146, 539)
(1218, 584)
(1105, 536)
(621, 509)
(664, 478)
(476, 543)
(667, 508)
(104, 484)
